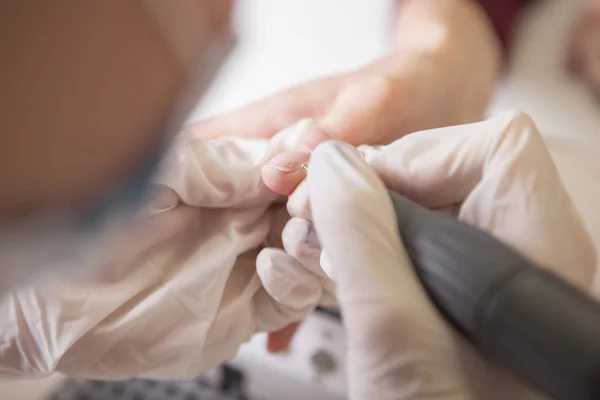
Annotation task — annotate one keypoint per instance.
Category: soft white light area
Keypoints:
(282, 43)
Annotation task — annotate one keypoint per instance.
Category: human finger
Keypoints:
(289, 293)
(280, 340)
(377, 288)
(263, 119)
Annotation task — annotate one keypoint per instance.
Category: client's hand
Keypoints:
(429, 80)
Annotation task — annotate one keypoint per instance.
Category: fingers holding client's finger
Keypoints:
(368, 111)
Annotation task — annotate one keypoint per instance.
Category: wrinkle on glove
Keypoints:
(178, 293)
(500, 176)
(496, 175)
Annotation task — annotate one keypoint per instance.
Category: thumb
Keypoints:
(398, 347)
(367, 111)
(356, 225)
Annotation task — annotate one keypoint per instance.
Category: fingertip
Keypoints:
(285, 172)
(273, 343)
(280, 182)
(279, 341)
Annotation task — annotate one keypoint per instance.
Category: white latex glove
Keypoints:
(178, 293)
(496, 175)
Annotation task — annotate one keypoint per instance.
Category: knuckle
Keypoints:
(517, 138)
(377, 91)
(519, 125)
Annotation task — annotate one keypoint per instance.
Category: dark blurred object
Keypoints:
(232, 382)
(90, 88)
(330, 312)
(224, 383)
(504, 15)
(520, 316)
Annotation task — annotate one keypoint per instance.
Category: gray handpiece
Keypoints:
(518, 315)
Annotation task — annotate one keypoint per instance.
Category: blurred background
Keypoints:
(287, 42)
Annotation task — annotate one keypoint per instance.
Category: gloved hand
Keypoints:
(496, 175)
(177, 292)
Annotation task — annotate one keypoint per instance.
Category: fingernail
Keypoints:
(162, 198)
(290, 161)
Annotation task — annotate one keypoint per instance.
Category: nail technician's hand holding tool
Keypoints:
(405, 274)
